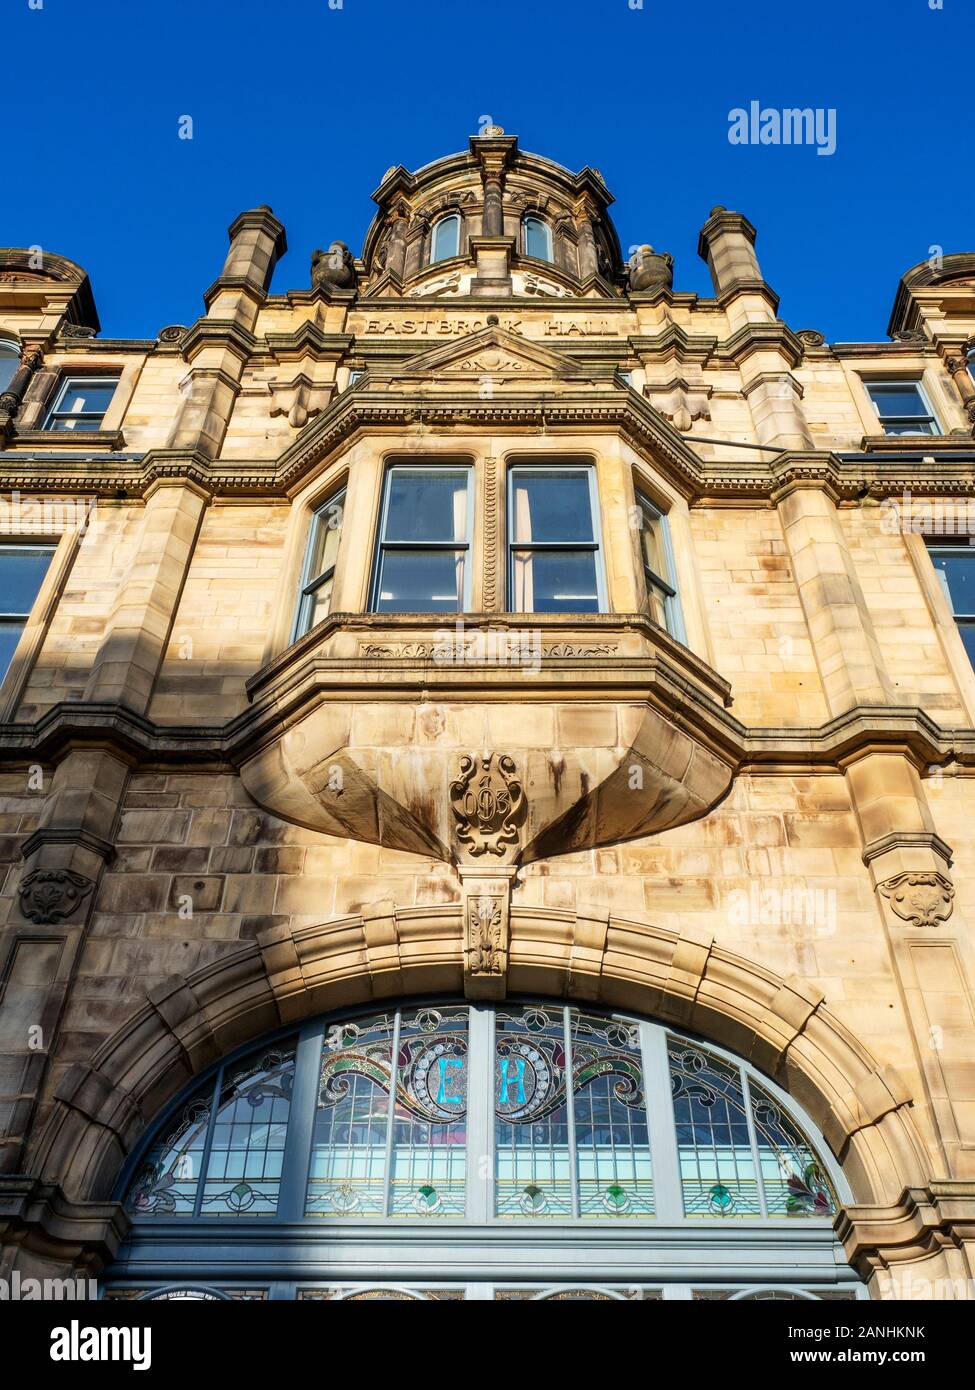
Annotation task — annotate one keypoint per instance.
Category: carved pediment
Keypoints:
(493, 352)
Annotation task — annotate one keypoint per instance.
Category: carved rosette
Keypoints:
(923, 899)
(488, 803)
(51, 895)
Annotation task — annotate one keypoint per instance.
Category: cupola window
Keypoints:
(446, 238)
(538, 239)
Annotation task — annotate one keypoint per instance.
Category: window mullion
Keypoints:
(208, 1143)
(668, 1200)
(391, 1117)
(753, 1140)
(301, 1125)
(570, 1110)
(480, 1115)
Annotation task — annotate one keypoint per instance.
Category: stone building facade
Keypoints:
(489, 621)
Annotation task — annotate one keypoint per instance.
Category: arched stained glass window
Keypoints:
(445, 238)
(520, 1122)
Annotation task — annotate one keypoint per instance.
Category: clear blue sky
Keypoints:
(304, 107)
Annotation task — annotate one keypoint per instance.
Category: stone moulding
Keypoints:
(783, 1026)
(599, 407)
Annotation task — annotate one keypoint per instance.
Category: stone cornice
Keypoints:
(146, 743)
(565, 408)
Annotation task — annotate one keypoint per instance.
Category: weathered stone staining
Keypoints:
(240, 788)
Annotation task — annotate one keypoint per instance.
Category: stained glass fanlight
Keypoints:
(560, 1111)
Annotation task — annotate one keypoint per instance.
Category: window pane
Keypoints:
(898, 400)
(610, 1110)
(426, 504)
(348, 1158)
(552, 505)
(717, 1168)
(958, 578)
(657, 602)
(446, 238)
(9, 362)
(22, 571)
(244, 1168)
(536, 239)
(555, 581)
(430, 1129)
(967, 631)
(325, 538)
(922, 427)
(317, 605)
(421, 581)
(9, 637)
(532, 1159)
(653, 550)
(86, 398)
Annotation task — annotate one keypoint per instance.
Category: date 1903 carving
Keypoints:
(487, 801)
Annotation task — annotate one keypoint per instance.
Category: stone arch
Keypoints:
(782, 1026)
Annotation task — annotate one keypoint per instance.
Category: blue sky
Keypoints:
(304, 107)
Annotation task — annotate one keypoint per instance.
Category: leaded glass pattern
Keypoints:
(243, 1175)
(430, 1125)
(533, 1170)
(592, 1159)
(348, 1164)
(792, 1176)
(611, 1138)
(390, 1132)
(166, 1181)
(717, 1160)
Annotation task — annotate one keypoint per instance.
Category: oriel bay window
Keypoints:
(555, 565)
(542, 1129)
(22, 571)
(423, 562)
(658, 567)
(319, 571)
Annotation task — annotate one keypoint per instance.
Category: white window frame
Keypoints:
(932, 417)
(667, 584)
(14, 356)
(467, 544)
(554, 466)
(311, 583)
(73, 382)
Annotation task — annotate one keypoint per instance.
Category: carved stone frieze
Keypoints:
(51, 895)
(924, 899)
(488, 802)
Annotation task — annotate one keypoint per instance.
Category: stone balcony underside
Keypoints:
(614, 730)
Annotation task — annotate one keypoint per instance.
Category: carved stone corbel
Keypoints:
(680, 402)
(487, 919)
(299, 399)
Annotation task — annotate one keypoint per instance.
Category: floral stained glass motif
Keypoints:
(792, 1177)
(390, 1131)
(243, 1176)
(740, 1154)
(592, 1159)
(167, 1181)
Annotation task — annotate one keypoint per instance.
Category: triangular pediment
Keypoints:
(494, 352)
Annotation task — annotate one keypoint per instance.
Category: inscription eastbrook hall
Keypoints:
(460, 328)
